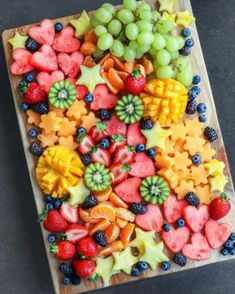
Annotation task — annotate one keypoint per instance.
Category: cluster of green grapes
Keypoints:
(135, 30)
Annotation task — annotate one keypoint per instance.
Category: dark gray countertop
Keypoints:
(23, 263)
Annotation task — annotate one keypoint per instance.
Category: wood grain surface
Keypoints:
(199, 67)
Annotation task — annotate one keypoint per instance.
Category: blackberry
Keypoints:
(104, 114)
(191, 107)
(58, 27)
(192, 199)
(66, 269)
(100, 238)
(35, 149)
(196, 79)
(186, 33)
(180, 259)
(89, 98)
(41, 108)
(185, 51)
(89, 202)
(32, 45)
(85, 159)
(104, 143)
(210, 134)
(146, 124)
(140, 148)
(137, 208)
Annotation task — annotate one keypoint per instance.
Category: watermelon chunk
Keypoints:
(102, 98)
(22, 63)
(46, 80)
(128, 190)
(172, 208)
(70, 64)
(115, 126)
(43, 33)
(142, 167)
(134, 135)
(196, 218)
(65, 41)
(199, 248)
(152, 220)
(45, 59)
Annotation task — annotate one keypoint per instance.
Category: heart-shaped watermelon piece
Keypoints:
(102, 98)
(199, 248)
(46, 80)
(152, 220)
(172, 208)
(65, 41)
(22, 64)
(70, 64)
(43, 33)
(134, 135)
(128, 190)
(115, 126)
(196, 218)
(45, 59)
(143, 166)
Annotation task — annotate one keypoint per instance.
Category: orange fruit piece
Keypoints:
(85, 216)
(112, 232)
(121, 222)
(148, 65)
(103, 210)
(125, 214)
(108, 63)
(33, 118)
(88, 61)
(50, 122)
(48, 139)
(107, 56)
(87, 48)
(118, 64)
(141, 68)
(115, 246)
(104, 195)
(101, 225)
(126, 233)
(123, 75)
(114, 78)
(129, 66)
(91, 37)
(68, 142)
(89, 120)
(117, 201)
(109, 84)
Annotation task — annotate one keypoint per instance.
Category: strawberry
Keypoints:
(75, 232)
(135, 82)
(85, 144)
(119, 172)
(82, 91)
(128, 190)
(87, 246)
(46, 80)
(196, 218)
(63, 250)
(70, 64)
(172, 208)
(54, 222)
(115, 126)
(69, 213)
(151, 220)
(220, 207)
(101, 155)
(97, 132)
(175, 239)
(103, 99)
(142, 167)
(22, 64)
(124, 154)
(116, 141)
(43, 33)
(134, 135)
(65, 41)
(45, 59)
(35, 94)
(198, 249)
(84, 268)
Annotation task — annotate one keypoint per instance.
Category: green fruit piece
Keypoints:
(78, 193)
(104, 268)
(154, 190)
(123, 261)
(97, 177)
(130, 109)
(62, 94)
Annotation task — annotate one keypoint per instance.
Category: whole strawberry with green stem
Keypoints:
(135, 82)
(63, 250)
(220, 206)
(53, 221)
(84, 268)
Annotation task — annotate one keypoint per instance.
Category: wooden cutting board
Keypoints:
(199, 67)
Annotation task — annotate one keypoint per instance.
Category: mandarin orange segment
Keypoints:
(109, 84)
(148, 65)
(87, 48)
(115, 246)
(108, 63)
(125, 214)
(112, 232)
(118, 202)
(104, 195)
(126, 234)
(103, 210)
(101, 225)
(141, 68)
(91, 37)
(129, 66)
(115, 80)
(85, 216)
(102, 61)
(118, 64)
(121, 222)
(123, 75)
(88, 61)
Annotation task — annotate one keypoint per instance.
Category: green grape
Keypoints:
(172, 43)
(144, 25)
(129, 54)
(156, 64)
(145, 14)
(145, 48)
(174, 74)
(139, 53)
(165, 72)
(156, 16)
(159, 42)
(174, 55)
(122, 37)
(125, 16)
(117, 48)
(164, 26)
(109, 7)
(94, 22)
(153, 51)
(163, 57)
(100, 30)
(114, 27)
(103, 15)
(98, 53)
(181, 63)
(133, 45)
(185, 77)
(132, 31)
(145, 38)
(130, 4)
(143, 6)
(105, 42)
(181, 42)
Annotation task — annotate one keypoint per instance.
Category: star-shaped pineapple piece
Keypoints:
(153, 254)
(204, 193)
(167, 5)
(89, 120)
(82, 24)
(193, 126)
(184, 18)
(184, 188)
(218, 183)
(207, 152)
(18, 41)
(104, 268)
(48, 139)
(78, 193)
(68, 142)
(199, 174)
(68, 128)
(215, 167)
(123, 261)
(90, 77)
(50, 122)
(77, 110)
(141, 238)
(170, 17)
(178, 131)
(181, 161)
(194, 144)
(156, 137)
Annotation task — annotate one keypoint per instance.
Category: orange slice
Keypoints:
(85, 216)
(123, 75)
(148, 66)
(126, 233)
(91, 37)
(102, 61)
(101, 225)
(117, 201)
(115, 246)
(118, 64)
(125, 214)
(109, 63)
(88, 61)
(115, 79)
(112, 232)
(129, 66)
(87, 48)
(104, 195)
(109, 84)
(103, 210)
(141, 68)
(121, 222)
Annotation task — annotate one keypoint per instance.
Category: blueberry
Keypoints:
(232, 251)
(48, 199)
(33, 133)
(196, 79)
(186, 33)
(140, 148)
(228, 244)
(151, 152)
(57, 203)
(89, 98)
(165, 265)
(166, 228)
(135, 272)
(146, 124)
(25, 106)
(232, 237)
(185, 51)
(196, 89)
(201, 108)
(192, 95)
(81, 131)
(28, 77)
(224, 251)
(196, 159)
(58, 27)
(66, 280)
(50, 206)
(104, 143)
(189, 43)
(86, 159)
(180, 223)
(104, 114)
(142, 266)
(51, 238)
(76, 280)
(202, 118)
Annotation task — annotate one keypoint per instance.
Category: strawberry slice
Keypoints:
(198, 249)
(175, 239)
(217, 234)
(22, 63)
(76, 232)
(172, 208)
(119, 172)
(45, 59)
(134, 135)
(82, 91)
(152, 220)
(196, 218)
(142, 167)
(124, 154)
(46, 80)
(115, 126)
(128, 190)
(69, 213)
(65, 41)
(85, 144)
(102, 98)
(101, 155)
(97, 132)
(116, 141)
(70, 64)
(43, 33)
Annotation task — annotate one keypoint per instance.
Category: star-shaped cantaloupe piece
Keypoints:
(153, 254)
(193, 126)
(199, 174)
(167, 5)
(178, 131)
(123, 261)
(68, 142)
(170, 176)
(59, 112)
(68, 128)
(82, 24)
(204, 193)
(169, 16)
(104, 268)
(179, 145)
(162, 160)
(184, 188)
(50, 122)
(215, 167)
(89, 120)
(18, 41)
(90, 77)
(207, 153)
(77, 110)
(184, 18)
(169, 146)
(181, 161)
(48, 139)
(78, 193)
(33, 118)
(194, 144)
(141, 239)
(218, 183)
(156, 137)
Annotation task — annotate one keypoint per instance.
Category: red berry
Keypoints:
(124, 154)
(84, 268)
(75, 232)
(82, 91)
(119, 172)
(63, 250)
(54, 222)
(102, 156)
(220, 207)
(87, 247)
(135, 82)
(35, 94)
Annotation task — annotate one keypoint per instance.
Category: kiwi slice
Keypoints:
(97, 177)
(130, 109)
(62, 94)
(154, 190)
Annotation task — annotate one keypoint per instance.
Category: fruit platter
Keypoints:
(124, 150)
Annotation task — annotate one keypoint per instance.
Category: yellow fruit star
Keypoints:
(156, 137)
(184, 18)
(78, 193)
(123, 261)
(104, 268)
(18, 41)
(90, 77)
(82, 24)
(217, 183)
(141, 238)
(170, 17)
(215, 167)
(167, 5)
